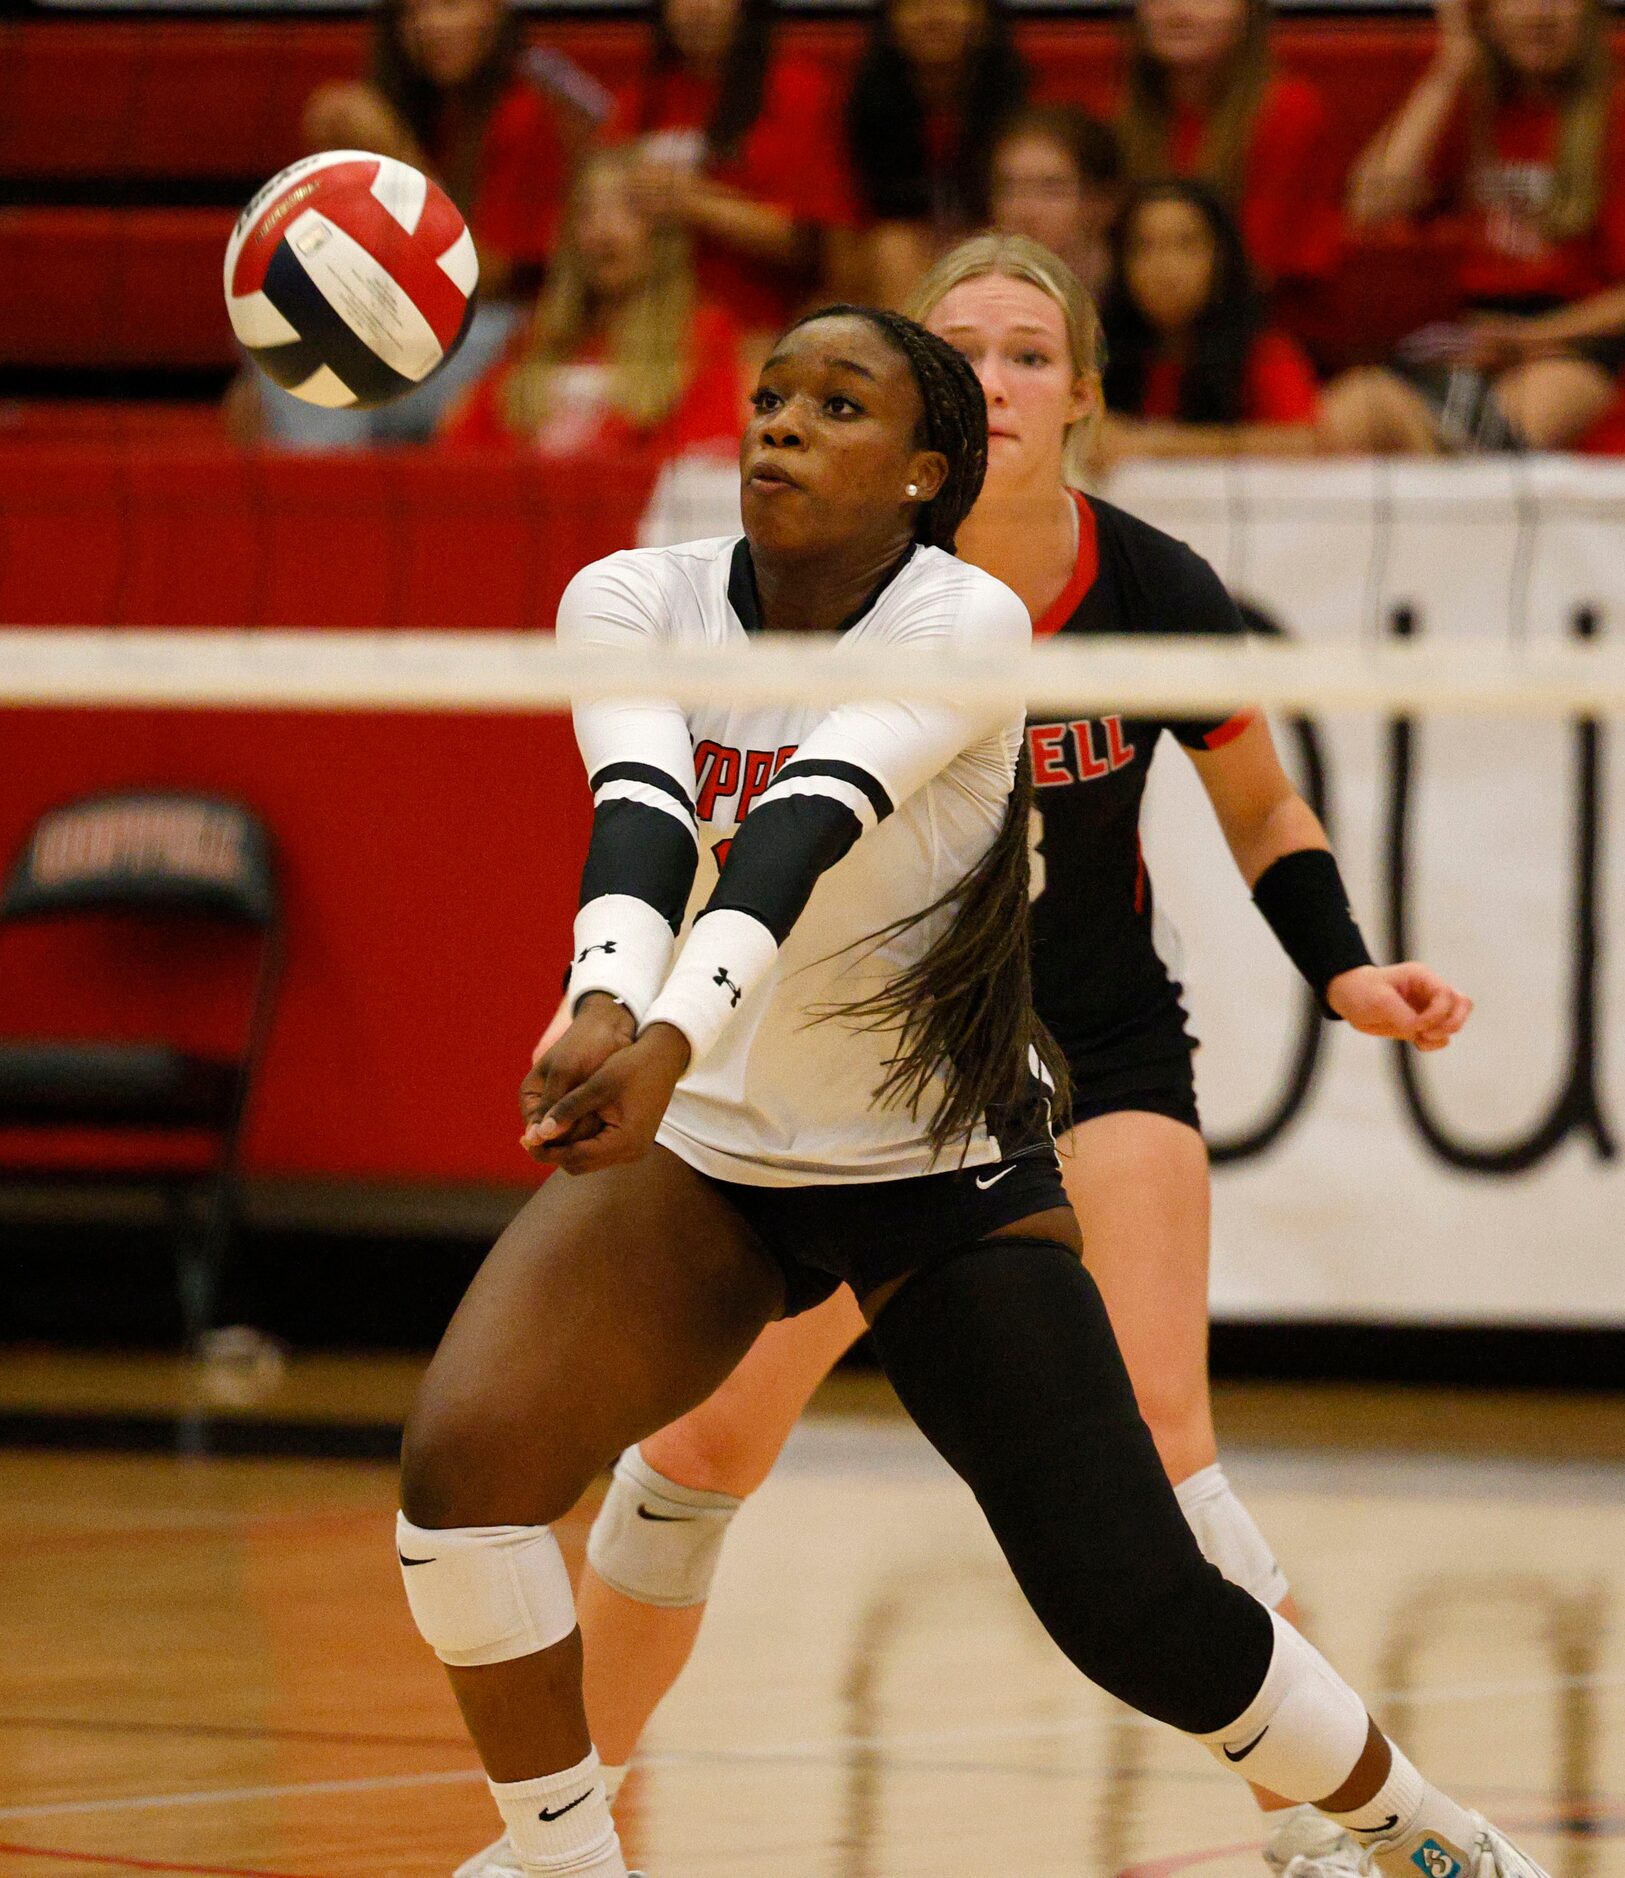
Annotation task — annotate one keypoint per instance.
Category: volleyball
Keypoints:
(349, 278)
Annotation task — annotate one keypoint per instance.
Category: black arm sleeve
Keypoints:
(794, 835)
(639, 848)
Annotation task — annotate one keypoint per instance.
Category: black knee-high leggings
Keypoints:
(1004, 1356)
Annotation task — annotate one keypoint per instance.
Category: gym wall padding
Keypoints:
(430, 862)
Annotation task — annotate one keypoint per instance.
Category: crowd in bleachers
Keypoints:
(731, 183)
(641, 239)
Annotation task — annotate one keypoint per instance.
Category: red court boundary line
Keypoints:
(144, 1864)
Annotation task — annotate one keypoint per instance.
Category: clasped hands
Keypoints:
(596, 1093)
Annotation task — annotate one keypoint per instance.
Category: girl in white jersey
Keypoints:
(1135, 1168)
(716, 1188)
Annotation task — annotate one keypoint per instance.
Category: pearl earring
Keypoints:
(914, 489)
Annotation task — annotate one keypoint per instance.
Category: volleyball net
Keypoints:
(505, 673)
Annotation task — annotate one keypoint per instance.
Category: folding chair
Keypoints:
(153, 859)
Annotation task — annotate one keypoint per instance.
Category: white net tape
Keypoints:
(335, 671)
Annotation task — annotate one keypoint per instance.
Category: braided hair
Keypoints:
(964, 1010)
(954, 419)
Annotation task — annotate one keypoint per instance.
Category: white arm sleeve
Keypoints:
(640, 765)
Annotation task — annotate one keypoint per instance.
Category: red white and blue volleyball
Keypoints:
(349, 278)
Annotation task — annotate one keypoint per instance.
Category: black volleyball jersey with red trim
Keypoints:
(1099, 981)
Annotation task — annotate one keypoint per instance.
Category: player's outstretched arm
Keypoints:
(640, 862)
(1261, 814)
(1283, 854)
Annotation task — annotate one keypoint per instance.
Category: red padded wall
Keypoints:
(180, 533)
(429, 866)
(429, 861)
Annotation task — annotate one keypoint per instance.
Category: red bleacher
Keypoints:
(113, 287)
(174, 530)
(200, 98)
(161, 97)
(200, 101)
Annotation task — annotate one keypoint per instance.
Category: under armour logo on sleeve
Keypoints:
(722, 978)
(604, 945)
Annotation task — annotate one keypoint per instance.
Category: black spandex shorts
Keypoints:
(1166, 1087)
(867, 1232)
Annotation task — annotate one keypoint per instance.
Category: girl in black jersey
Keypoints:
(1134, 1164)
(718, 1185)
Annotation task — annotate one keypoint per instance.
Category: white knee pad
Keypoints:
(485, 1594)
(1304, 1731)
(656, 1540)
(1229, 1535)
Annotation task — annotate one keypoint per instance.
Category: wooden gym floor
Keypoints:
(208, 1667)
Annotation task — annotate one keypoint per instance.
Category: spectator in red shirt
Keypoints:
(936, 82)
(621, 353)
(741, 145)
(1056, 179)
(1517, 129)
(454, 92)
(1192, 369)
(1203, 100)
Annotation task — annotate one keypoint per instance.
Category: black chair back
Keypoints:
(159, 852)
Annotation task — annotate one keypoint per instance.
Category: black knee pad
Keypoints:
(1004, 1356)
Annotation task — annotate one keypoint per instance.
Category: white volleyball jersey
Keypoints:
(828, 824)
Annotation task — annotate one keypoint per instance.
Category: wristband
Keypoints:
(623, 946)
(726, 956)
(1303, 897)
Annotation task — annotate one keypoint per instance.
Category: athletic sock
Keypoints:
(560, 1825)
(612, 1778)
(1409, 1826)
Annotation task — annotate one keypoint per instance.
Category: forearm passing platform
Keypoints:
(1303, 897)
(623, 948)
